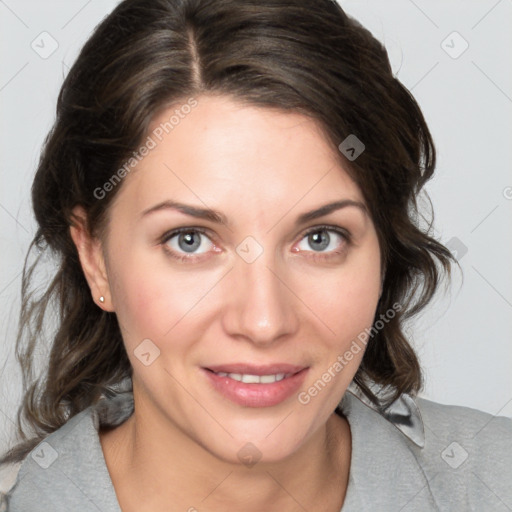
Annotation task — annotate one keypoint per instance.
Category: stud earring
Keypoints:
(102, 299)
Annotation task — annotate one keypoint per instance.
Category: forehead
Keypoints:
(230, 155)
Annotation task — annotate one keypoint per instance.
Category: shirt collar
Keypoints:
(403, 413)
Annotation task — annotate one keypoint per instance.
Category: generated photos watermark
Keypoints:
(360, 342)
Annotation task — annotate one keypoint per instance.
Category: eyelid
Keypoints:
(325, 255)
(327, 227)
(184, 257)
(184, 229)
(205, 231)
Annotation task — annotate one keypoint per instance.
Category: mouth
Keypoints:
(256, 386)
(249, 378)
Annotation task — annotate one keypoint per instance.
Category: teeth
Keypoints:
(254, 379)
(267, 379)
(250, 379)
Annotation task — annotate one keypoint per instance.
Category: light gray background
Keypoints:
(464, 340)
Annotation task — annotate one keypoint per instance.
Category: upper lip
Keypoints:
(251, 369)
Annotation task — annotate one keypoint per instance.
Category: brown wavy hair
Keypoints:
(292, 55)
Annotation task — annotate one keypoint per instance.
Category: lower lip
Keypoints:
(256, 395)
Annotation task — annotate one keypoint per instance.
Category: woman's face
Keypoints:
(260, 288)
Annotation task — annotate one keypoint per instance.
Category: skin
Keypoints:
(295, 303)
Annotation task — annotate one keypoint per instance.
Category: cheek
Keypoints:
(153, 300)
(347, 300)
(358, 298)
(147, 303)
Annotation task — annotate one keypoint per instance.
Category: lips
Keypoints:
(239, 382)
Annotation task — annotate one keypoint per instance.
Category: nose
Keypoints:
(261, 308)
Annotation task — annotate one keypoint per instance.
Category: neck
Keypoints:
(153, 464)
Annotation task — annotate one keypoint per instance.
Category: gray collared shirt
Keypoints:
(415, 456)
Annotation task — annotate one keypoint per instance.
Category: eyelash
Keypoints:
(171, 234)
(344, 234)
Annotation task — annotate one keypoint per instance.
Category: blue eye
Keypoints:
(186, 241)
(324, 239)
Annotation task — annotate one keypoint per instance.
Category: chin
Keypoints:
(271, 441)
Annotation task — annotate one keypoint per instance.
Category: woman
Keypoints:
(208, 355)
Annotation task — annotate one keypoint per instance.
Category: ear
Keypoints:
(90, 252)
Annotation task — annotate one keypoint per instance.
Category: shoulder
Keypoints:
(434, 456)
(467, 435)
(66, 471)
(429, 423)
(471, 447)
(468, 454)
(480, 427)
(40, 472)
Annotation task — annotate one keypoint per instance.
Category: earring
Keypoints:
(102, 299)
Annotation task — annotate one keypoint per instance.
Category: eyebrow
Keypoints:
(219, 218)
(187, 209)
(329, 208)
